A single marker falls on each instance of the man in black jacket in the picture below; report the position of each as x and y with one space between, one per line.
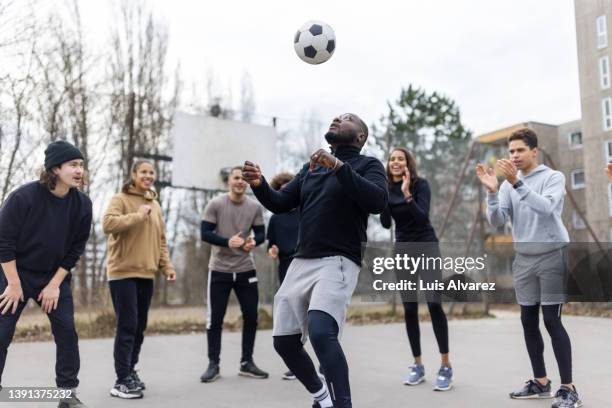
44 226
335 193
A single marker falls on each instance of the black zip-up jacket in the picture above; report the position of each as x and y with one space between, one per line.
334 205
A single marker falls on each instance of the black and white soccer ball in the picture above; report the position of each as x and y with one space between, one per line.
315 42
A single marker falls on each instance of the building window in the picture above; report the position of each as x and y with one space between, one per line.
577 179
608 149
577 221
602 32
610 199
604 72
575 139
606 110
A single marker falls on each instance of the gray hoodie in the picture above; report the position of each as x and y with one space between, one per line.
534 208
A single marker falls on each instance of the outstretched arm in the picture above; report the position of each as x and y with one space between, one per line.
286 199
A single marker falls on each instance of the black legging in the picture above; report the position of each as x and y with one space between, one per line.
131 300
323 333
530 317
245 287
438 319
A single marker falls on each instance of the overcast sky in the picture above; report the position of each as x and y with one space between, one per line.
503 62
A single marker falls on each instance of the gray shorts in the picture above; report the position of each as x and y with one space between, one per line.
324 284
540 278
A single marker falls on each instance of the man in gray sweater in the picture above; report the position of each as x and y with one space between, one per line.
531 197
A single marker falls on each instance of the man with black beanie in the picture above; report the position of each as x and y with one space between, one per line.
44 226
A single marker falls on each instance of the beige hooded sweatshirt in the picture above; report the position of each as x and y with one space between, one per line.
136 246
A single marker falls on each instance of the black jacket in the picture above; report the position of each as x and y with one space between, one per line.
334 206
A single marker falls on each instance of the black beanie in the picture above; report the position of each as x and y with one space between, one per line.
60 152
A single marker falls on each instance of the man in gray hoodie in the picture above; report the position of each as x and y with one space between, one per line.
531 197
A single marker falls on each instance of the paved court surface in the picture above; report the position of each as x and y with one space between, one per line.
488 356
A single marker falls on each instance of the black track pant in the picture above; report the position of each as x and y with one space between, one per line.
131 301
67 362
323 333
530 317
438 320
220 285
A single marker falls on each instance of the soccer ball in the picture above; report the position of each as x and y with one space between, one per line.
315 42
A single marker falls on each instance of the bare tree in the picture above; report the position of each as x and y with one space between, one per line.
247 98
67 112
19 91
17 25
141 115
140 110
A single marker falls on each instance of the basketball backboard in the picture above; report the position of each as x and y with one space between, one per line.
205 146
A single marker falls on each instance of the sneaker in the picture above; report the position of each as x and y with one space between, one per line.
126 389
72 402
249 369
289 376
444 382
211 374
316 405
567 398
139 384
416 376
533 389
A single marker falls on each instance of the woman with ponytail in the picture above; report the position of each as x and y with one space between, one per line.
409 198
137 249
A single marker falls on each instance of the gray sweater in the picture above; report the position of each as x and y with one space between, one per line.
534 209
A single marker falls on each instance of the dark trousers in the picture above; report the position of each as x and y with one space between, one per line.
283 265
562 347
67 361
131 301
220 285
323 332
410 298
438 320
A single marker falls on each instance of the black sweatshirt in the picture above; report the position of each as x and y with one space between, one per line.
334 206
43 232
411 218
283 232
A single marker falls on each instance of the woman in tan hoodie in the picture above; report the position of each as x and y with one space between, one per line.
136 249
